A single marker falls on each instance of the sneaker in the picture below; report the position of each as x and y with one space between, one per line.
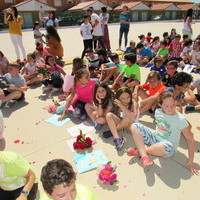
133 152
119 142
147 162
77 113
190 108
10 103
45 89
107 134
98 126
55 90
119 49
83 117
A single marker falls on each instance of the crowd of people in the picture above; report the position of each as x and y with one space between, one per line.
106 88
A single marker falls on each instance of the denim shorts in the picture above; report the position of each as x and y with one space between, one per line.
150 137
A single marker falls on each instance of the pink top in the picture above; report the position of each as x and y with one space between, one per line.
55 71
84 93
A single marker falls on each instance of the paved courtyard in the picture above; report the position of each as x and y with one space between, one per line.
168 179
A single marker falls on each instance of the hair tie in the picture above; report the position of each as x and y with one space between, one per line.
122 88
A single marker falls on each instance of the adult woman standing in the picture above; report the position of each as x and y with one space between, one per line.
187 28
104 16
51 20
125 19
14 22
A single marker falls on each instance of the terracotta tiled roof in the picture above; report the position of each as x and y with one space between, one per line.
161 6
172 1
129 4
23 2
82 5
186 6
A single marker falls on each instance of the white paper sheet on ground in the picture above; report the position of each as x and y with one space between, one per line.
188 68
72 140
85 127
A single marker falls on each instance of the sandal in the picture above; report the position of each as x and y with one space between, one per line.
133 152
147 162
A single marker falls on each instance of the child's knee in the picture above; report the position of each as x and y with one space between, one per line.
109 116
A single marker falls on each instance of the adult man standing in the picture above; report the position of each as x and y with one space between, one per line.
97 29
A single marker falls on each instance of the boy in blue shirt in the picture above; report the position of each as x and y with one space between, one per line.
158 66
144 54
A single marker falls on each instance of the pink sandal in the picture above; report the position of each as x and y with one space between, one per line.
133 152
147 162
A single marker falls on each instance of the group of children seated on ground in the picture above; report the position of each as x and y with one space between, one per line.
109 91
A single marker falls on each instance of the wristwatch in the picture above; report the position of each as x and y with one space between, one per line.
25 192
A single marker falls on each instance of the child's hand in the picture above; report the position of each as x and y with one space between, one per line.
118 103
190 165
98 99
62 117
12 87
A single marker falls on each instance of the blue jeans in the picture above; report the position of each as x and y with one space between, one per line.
124 31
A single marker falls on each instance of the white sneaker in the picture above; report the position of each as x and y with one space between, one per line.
55 90
46 89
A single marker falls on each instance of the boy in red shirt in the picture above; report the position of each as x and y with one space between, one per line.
175 48
155 87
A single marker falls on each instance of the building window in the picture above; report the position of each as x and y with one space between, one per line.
70 1
8 1
57 3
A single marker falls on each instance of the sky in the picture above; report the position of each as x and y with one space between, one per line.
196 1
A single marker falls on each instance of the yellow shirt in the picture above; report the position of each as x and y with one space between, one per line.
15 26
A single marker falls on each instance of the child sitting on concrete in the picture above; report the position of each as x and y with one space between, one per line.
154 88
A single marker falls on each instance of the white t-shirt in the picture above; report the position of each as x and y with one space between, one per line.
31 68
86 31
97 31
50 22
169 127
196 84
195 54
104 16
185 25
37 33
